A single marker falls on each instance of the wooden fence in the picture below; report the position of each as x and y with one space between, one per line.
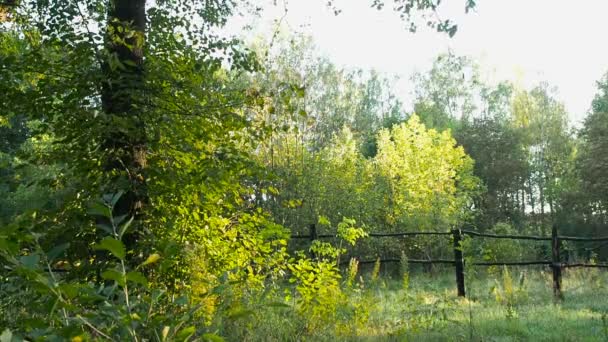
457 234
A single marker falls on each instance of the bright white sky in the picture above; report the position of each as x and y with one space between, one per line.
562 42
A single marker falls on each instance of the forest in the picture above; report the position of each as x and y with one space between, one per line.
164 180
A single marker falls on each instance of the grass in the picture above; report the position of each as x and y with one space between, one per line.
430 310
533 316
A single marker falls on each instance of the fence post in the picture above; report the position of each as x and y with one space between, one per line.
312 228
556 265
458 262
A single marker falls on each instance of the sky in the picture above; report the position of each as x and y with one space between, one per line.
562 42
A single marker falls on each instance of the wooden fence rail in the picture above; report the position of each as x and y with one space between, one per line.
457 234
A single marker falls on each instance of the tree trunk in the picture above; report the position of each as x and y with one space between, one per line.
124 140
541 192
531 194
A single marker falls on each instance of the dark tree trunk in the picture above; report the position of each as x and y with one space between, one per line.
124 139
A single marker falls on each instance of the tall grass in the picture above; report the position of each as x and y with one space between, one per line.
513 306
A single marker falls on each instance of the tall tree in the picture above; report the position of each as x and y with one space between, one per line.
122 102
447 92
593 157
544 123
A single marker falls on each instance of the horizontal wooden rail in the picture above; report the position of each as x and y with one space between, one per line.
583 239
407 234
300 237
512 263
586 265
513 237
468 232
411 261
308 237
496 263
375 235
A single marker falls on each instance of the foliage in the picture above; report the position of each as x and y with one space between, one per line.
152 170
431 184
317 279
591 160
447 91
122 305
504 249
509 294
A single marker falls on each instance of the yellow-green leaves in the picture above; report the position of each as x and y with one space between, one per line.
423 169
348 232
151 259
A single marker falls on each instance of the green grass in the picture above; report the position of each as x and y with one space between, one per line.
535 315
430 311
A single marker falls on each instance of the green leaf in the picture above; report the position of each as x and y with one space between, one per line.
185 333
137 277
7 246
301 92
114 275
323 220
212 337
240 313
105 228
100 209
112 199
57 251
30 261
70 290
119 219
125 226
113 246
129 63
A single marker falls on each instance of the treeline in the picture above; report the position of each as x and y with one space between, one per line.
349 148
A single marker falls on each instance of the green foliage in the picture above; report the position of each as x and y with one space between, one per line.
430 179
446 93
504 249
348 232
318 294
121 305
405 271
509 294
207 151
591 158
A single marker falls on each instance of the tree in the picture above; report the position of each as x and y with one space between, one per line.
447 92
122 90
430 178
591 159
501 163
544 123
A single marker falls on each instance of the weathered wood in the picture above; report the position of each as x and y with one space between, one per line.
583 239
459 262
312 228
513 237
376 235
313 232
410 261
471 233
556 264
585 265
407 234
513 263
